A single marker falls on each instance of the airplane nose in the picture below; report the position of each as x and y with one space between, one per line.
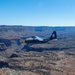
23 41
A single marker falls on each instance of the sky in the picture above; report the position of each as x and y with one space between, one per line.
37 12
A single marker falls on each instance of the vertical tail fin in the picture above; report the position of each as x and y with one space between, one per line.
53 36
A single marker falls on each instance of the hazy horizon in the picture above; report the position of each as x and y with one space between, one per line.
39 25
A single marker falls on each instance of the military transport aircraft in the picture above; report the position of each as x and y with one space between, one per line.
36 39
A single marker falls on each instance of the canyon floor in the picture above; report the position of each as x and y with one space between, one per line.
44 63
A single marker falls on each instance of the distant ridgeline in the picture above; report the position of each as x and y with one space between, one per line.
25 31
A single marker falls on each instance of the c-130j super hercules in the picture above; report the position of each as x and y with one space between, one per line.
36 39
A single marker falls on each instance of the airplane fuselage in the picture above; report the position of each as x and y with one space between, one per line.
36 39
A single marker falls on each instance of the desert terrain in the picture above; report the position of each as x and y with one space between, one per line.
56 57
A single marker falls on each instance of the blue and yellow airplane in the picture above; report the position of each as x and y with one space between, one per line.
36 39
